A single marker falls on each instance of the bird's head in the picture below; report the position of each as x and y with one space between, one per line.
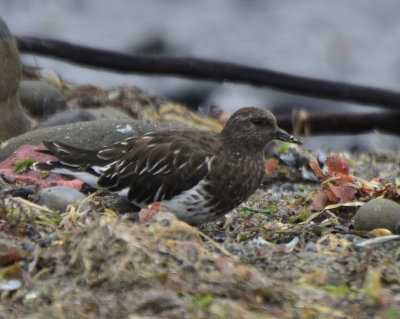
252 128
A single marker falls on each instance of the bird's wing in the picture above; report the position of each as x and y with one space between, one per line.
155 167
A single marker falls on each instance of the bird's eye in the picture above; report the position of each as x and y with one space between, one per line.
257 120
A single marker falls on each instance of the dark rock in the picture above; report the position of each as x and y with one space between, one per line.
59 197
122 205
156 302
378 213
41 99
23 192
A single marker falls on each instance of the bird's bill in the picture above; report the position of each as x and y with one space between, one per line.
281 135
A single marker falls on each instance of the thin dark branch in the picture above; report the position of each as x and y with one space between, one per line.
201 69
347 123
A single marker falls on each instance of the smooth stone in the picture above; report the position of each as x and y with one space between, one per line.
13 120
59 197
109 112
10 64
378 213
90 135
67 117
41 99
73 116
10 284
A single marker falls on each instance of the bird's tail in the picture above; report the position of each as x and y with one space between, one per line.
80 163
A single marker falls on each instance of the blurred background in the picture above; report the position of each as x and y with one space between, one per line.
356 42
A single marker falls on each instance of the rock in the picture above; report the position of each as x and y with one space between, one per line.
157 301
10 64
23 191
378 213
236 249
59 197
13 120
67 117
10 284
73 116
41 99
119 204
91 135
109 112
9 252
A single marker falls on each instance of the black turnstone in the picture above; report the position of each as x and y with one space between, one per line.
197 175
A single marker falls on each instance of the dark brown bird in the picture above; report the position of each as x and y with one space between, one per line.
197 175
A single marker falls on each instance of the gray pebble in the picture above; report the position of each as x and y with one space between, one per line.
59 197
310 246
41 99
10 284
287 187
236 249
378 213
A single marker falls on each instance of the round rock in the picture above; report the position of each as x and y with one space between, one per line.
67 117
109 112
89 135
378 213
13 120
74 116
41 99
59 197
10 64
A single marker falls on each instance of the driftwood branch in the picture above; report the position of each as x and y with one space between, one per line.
345 123
201 69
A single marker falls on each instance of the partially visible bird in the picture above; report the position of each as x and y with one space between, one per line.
197 175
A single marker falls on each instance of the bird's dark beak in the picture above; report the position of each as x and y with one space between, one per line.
281 135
